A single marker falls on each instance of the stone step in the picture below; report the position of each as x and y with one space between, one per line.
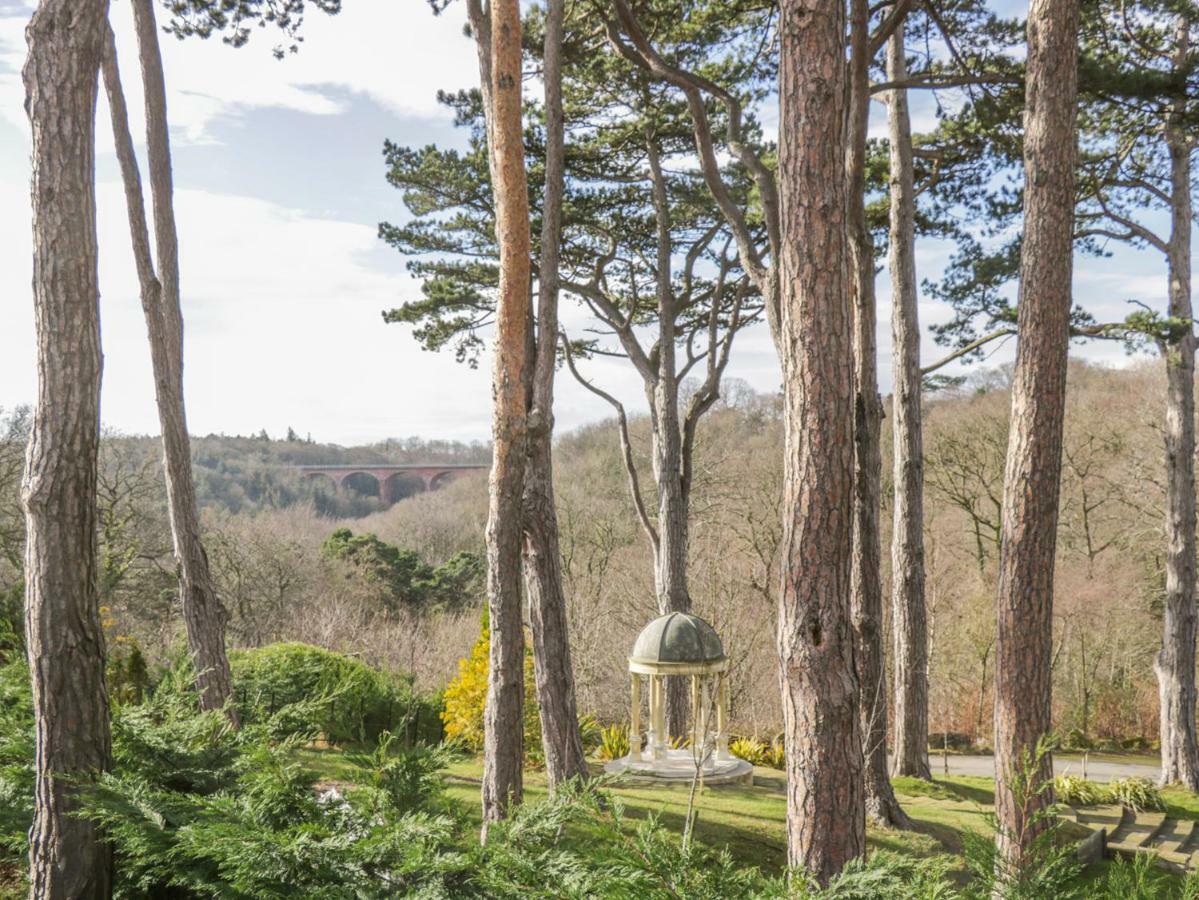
1175 837
1177 862
1109 817
1136 831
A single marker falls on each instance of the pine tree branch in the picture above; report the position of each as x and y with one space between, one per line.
643 54
968 349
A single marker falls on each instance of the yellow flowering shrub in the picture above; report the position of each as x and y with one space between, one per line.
466 696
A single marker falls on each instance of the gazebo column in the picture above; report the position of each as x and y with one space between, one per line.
697 734
663 728
635 722
657 718
722 717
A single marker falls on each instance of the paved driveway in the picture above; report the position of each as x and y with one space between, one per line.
1097 769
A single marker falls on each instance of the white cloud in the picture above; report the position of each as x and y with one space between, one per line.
283 304
398 53
283 328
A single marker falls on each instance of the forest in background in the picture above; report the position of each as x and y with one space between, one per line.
267 533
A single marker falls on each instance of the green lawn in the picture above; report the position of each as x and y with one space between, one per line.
749 821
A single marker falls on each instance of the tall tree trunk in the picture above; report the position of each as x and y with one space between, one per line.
670 563
908 617
1024 633
67 855
203 615
1175 664
826 815
560 738
866 574
503 750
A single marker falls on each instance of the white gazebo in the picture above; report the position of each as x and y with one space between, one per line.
681 645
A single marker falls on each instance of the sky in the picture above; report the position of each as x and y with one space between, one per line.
279 191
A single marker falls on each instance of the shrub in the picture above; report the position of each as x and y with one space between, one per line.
884 874
1048 866
777 756
351 701
407 579
614 742
750 749
16 763
1077 791
1074 739
1135 793
126 671
262 831
466 696
591 731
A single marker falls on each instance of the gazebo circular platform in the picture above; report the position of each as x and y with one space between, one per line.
681 645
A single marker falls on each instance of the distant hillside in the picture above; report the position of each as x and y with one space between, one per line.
248 474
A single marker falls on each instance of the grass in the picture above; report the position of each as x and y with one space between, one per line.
750 821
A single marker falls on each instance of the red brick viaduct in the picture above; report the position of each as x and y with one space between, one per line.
390 478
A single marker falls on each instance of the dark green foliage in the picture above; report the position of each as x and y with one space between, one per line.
306 691
1130 85
234 18
410 582
16 761
613 115
127 672
12 618
196 809
1049 867
259 828
888 875
1142 879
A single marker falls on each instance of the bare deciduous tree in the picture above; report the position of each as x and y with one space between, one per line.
203 615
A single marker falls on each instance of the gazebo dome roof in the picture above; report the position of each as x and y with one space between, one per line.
677 638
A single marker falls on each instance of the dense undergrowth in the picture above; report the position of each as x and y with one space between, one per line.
194 808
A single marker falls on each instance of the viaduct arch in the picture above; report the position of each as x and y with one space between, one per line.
389 477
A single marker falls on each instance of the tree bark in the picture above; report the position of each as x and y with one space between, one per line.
825 798
65 641
1175 663
670 564
503 750
1024 633
908 617
203 615
866 574
670 561
560 737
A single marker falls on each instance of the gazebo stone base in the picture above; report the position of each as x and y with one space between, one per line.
678 767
